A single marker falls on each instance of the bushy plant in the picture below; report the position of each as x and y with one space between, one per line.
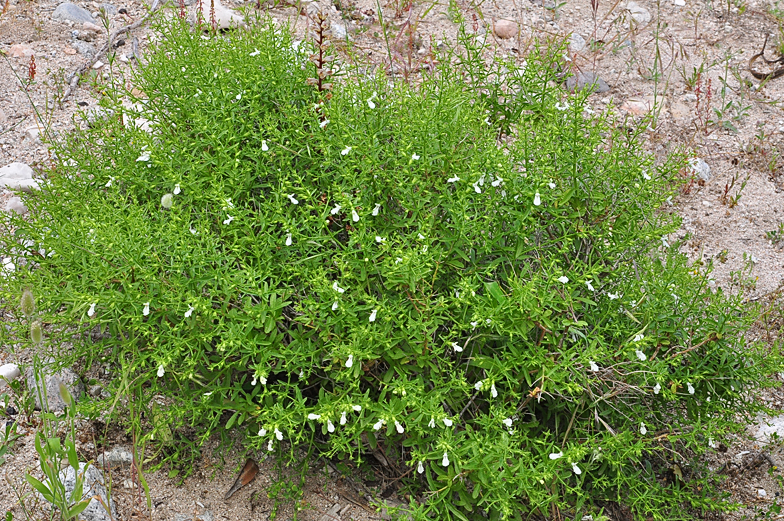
473 272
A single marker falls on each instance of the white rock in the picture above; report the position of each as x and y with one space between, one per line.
8 373
93 488
20 50
18 176
33 134
98 64
576 42
225 18
15 204
766 427
679 3
701 168
638 13
761 492
505 29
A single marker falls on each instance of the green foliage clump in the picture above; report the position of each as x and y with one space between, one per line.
475 276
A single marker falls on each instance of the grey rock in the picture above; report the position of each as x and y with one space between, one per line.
338 30
33 134
97 114
576 42
93 486
118 457
703 170
52 379
204 516
68 12
638 13
586 79
83 48
15 204
109 9
18 176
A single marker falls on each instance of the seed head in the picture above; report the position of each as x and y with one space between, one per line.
36 333
28 302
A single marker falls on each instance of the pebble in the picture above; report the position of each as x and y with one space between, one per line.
83 48
638 106
576 42
8 373
118 457
701 168
505 29
225 18
760 492
109 9
679 3
98 64
93 486
639 14
20 50
338 30
18 176
583 79
68 12
15 204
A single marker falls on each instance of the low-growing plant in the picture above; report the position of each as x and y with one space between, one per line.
485 290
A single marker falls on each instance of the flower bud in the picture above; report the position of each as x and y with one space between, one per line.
65 394
28 302
36 333
167 201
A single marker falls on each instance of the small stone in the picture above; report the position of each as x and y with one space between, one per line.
505 29
98 64
89 26
761 492
576 42
18 176
584 79
123 58
20 50
97 114
52 380
3 117
70 51
639 106
690 97
109 9
93 486
338 30
118 457
701 168
8 373
638 13
15 204
83 48
679 3
68 12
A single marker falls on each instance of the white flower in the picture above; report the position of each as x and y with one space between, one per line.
109 182
431 423
292 199
167 201
537 199
690 388
335 210
457 347
350 361
370 103
638 337
324 123
335 306
330 426
146 310
563 107
373 315
493 391
345 151
161 370
453 179
551 185
91 311
657 388
269 445
445 460
208 394
556 455
356 408
189 312
193 230
414 156
354 215
563 279
474 324
378 425
313 416
255 52
420 468
398 260
288 239
343 418
645 175
278 434
477 189
239 96
376 209
228 219
507 422
478 385
712 444
145 156
497 182
337 288
177 189
263 380
380 239
399 427
420 236
576 469
264 147
589 285
642 356
643 430
593 365
612 296
664 242
262 432
448 422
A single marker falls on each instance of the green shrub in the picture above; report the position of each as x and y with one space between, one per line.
474 275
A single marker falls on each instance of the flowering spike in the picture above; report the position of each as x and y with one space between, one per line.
27 303
36 334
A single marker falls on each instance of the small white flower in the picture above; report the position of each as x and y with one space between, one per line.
474 324
380 239
269 445
478 385
457 347
253 382
345 151
561 107
537 199
690 388
255 52
612 296
420 237
146 310
176 189
643 429
563 279
293 199
335 306
657 388
193 230
414 156
161 370
262 432
350 361
337 288
399 427
642 356
376 209
343 418
278 434
420 468
576 469
313 416
239 96
493 391
398 260
330 426
264 146
593 365
145 156
665 243
556 455
189 312
324 123
356 408
477 189
507 422
109 182
497 182
589 285
288 239
378 425
712 444
453 179
167 201
335 210
263 380
638 337
448 422
208 394
373 315
445 460
551 185
431 423
91 311
228 219
354 215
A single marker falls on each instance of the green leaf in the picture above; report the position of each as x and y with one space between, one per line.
41 488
